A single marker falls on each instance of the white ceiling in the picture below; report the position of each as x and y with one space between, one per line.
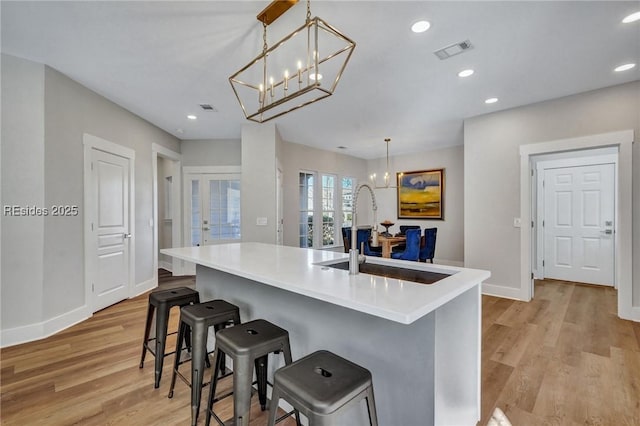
161 59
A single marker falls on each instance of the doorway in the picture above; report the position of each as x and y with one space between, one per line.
109 222
575 210
167 209
623 262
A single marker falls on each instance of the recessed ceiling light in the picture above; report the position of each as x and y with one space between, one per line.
624 67
491 101
342 147
465 73
191 117
179 131
312 76
631 18
420 26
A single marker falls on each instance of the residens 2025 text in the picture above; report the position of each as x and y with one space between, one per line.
55 210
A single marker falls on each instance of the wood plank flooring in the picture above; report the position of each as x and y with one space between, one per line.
562 359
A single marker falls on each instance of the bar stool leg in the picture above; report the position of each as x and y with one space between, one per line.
147 330
162 321
371 406
242 377
198 354
273 408
261 365
218 356
183 332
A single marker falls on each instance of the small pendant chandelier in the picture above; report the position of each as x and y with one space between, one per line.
387 176
302 68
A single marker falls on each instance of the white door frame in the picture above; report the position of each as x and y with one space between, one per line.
624 243
91 142
176 207
541 166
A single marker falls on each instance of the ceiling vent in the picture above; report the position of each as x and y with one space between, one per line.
454 49
208 107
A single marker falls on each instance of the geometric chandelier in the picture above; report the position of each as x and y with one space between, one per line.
302 68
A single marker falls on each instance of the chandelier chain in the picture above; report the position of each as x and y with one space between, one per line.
264 38
308 10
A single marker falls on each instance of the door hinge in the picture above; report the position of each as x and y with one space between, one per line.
543 263
531 172
92 165
93 287
92 226
543 223
532 275
532 224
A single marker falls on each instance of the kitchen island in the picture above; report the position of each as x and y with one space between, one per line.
421 342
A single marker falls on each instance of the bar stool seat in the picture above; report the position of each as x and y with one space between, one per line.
321 386
196 320
163 301
249 346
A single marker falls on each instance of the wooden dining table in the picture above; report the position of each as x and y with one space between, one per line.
388 242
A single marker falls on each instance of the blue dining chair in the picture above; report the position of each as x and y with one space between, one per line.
403 232
412 251
364 236
428 250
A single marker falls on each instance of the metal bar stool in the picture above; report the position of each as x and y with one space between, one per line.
249 346
163 301
196 320
321 386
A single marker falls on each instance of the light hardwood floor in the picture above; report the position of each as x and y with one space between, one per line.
565 358
562 359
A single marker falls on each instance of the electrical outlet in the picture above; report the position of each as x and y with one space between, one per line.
517 222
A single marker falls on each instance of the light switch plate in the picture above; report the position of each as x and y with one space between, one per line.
517 222
261 221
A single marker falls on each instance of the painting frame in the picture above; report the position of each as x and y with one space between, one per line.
420 194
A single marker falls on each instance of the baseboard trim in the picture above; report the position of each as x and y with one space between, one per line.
166 265
634 314
144 286
449 262
503 291
29 333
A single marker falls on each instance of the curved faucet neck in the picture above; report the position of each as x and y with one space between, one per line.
354 228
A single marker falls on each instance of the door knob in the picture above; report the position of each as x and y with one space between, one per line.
127 235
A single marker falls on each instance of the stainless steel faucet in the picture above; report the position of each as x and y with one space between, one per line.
354 258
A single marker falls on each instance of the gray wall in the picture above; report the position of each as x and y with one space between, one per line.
22 185
492 170
211 152
258 182
70 110
450 240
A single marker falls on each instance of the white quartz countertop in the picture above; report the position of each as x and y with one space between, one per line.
301 271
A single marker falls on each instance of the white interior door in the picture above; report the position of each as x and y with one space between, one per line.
579 211
111 231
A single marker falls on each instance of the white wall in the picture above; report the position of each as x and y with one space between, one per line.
492 171
68 111
294 158
22 185
450 239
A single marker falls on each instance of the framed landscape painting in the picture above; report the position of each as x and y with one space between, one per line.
421 194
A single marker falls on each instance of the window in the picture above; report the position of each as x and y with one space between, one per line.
306 209
347 200
328 210
332 213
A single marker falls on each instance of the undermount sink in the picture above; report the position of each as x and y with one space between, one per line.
391 271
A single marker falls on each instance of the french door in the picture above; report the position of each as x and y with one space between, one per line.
213 209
